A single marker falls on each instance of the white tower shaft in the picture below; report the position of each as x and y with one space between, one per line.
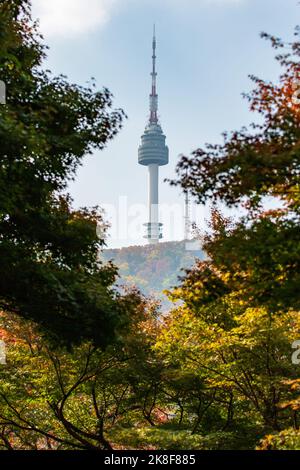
153 203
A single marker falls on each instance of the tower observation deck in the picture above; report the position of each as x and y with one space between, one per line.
153 153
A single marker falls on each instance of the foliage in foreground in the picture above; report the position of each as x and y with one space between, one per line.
72 400
242 304
216 373
125 397
49 269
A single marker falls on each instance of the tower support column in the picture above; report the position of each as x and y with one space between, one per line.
153 192
154 226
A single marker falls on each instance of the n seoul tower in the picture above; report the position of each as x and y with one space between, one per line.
153 153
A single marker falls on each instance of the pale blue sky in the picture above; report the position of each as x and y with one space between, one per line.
206 49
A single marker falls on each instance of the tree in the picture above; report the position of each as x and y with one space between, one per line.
240 307
50 271
242 366
76 399
289 439
261 253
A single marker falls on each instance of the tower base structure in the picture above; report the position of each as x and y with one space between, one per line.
154 232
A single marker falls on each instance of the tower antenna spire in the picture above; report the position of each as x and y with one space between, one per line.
154 96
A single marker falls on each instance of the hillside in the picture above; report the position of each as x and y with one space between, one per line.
152 268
